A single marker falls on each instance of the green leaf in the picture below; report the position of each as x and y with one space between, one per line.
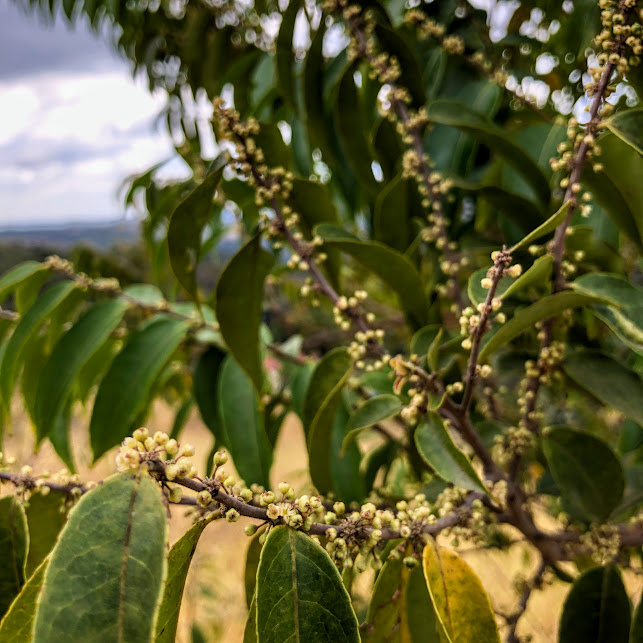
253 554
285 54
597 609
205 383
477 294
424 338
300 595
608 380
250 631
186 228
374 410
32 321
394 268
538 273
14 545
544 228
625 315
588 474
314 203
114 547
124 391
525 319
17 624
401 605
178 565
45 520
460 602
391 224
320 406
350 129
71 353
239 300
617 188
437 448
245 434
299 388
17 275
459 115
628 126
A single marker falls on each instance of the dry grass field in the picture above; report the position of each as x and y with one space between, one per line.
214 598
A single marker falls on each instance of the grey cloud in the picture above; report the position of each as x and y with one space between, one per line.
28 46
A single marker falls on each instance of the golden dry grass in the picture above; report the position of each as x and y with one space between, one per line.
214 598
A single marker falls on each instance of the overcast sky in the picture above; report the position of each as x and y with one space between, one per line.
73 123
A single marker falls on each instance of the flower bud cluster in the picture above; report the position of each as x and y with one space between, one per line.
514 442
603 543
141 448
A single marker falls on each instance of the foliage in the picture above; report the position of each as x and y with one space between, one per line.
464 239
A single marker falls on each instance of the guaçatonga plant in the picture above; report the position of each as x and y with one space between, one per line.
474 371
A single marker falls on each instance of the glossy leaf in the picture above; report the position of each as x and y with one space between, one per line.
525 319
374 410
32 321
239 300
394 268
285 54
321 404
628 126
459 115
17 624
206 389
460 602
14 545
70 354
588 474
17 275
477 294
437 448
597 609
186 228
610 381
391 224
44 520
178 565
537 274
617 187
114 547
544 228
243 425
253 555
125 389
300 594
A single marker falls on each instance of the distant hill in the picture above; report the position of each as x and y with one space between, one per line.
102 235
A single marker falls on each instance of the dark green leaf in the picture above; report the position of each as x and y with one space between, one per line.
206 389
300 595
459 115
17 275
525 319
45 520
636 634
348 481
186 228
331 375
250 631
394 268
14 545
17 624
439 451
349 121
125 389
178 565
391 221
285 54
544 228
612 383
239 305
252 564
587 472
628 126
597 609
374 410
70 354
114 547
32 321
299 388
243 425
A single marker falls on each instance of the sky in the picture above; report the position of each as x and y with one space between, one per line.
73 123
